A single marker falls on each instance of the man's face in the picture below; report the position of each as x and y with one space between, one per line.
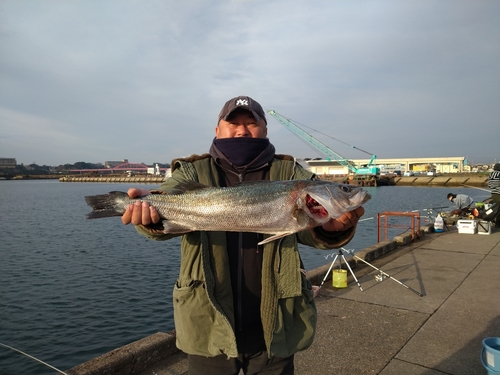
241 123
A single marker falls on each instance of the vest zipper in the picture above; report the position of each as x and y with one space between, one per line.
240 282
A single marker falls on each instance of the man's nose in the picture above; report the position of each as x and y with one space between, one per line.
242 130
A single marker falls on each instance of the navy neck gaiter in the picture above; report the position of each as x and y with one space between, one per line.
241 151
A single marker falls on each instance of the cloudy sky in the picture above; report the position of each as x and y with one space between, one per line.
97 80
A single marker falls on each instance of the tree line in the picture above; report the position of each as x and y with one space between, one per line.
63 168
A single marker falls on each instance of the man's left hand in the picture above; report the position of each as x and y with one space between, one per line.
346 221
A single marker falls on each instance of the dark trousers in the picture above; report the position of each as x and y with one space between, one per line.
250 364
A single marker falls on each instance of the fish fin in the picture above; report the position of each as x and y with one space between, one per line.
105 205
302 217
173 228
274 238
257 182
188 186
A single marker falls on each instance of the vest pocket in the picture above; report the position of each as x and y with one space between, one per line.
197 323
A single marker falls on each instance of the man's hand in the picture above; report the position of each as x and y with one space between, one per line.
346 221
140 212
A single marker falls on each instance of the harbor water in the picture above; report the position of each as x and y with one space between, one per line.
72 289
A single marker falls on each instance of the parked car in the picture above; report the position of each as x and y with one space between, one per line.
432 173
408 174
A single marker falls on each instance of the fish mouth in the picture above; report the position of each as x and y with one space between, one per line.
329 207
315 208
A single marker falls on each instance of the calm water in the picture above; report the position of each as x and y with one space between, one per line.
72 289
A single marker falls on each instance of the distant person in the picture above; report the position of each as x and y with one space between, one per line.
462 203
494 183
492 214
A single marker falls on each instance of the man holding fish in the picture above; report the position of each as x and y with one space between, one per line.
242 301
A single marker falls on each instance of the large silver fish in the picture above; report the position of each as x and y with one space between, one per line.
278 208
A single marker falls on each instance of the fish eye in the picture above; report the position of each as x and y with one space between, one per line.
346 188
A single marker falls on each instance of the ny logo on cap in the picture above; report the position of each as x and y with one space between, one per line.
242 102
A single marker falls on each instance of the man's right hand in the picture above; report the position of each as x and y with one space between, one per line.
140 212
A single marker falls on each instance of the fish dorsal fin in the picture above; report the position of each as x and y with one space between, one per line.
258 182
188 187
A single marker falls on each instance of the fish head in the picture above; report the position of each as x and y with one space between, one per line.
330 200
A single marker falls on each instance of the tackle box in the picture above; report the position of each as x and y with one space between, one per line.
483 227
467 226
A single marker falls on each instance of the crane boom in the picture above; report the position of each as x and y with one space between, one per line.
324 149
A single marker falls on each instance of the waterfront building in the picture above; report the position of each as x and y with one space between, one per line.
8 163
456 164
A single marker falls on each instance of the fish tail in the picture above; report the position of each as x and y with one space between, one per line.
107 205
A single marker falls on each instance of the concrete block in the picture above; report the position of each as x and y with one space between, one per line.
406 181
130 359
422 180
456 181
377 250
477 180
403 239
440 180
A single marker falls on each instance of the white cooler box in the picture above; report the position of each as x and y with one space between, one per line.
483 227
467 226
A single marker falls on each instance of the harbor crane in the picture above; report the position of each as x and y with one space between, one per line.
370 170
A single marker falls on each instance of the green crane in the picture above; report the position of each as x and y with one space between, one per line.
370 169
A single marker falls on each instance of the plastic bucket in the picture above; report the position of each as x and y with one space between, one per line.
490 355
339 278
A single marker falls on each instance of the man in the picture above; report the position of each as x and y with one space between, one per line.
494 183
462 203
238 305
493 213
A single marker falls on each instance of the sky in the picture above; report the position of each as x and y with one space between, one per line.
145 80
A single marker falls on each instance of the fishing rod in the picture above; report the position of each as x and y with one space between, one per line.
389 276
432 208
473 187
35 359
368 218
424 209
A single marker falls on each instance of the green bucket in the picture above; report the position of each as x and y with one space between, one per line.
339 278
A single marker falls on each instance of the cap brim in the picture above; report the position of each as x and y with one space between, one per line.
255 115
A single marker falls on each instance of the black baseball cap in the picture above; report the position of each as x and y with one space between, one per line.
244 102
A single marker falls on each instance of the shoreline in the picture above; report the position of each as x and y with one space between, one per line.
451 179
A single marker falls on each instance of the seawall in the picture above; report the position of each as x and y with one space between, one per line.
145 179
444 180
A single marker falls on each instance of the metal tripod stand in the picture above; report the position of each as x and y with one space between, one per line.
379 277
341 254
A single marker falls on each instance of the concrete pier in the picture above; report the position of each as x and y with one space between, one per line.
444 180
385 329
